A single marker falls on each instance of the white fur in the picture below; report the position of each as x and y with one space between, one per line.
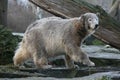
55 36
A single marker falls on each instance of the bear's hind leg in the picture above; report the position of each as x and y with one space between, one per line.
40 59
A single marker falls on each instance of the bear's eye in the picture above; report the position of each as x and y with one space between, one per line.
90 19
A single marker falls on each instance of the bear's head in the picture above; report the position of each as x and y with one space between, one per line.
90 22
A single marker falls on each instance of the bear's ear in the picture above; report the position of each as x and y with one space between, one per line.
82 18
98 14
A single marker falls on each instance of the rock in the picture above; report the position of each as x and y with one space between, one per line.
103 56
102 52
115 75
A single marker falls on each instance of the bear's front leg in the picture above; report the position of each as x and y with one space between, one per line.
77 55
85 59
69 62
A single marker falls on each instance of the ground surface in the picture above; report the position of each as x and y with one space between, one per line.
108 59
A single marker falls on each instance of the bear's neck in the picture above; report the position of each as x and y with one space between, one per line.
80 29
82 32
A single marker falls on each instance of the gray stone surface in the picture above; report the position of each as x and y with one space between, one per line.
95 76
102 52
96 52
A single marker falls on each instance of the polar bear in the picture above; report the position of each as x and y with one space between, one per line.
53 36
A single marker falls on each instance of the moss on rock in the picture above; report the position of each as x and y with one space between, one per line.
8 43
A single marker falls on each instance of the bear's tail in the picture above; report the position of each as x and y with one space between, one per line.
21 54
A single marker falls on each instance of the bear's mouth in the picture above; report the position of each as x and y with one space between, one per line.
88 27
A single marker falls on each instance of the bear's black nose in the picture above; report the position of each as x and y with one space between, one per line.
96 26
